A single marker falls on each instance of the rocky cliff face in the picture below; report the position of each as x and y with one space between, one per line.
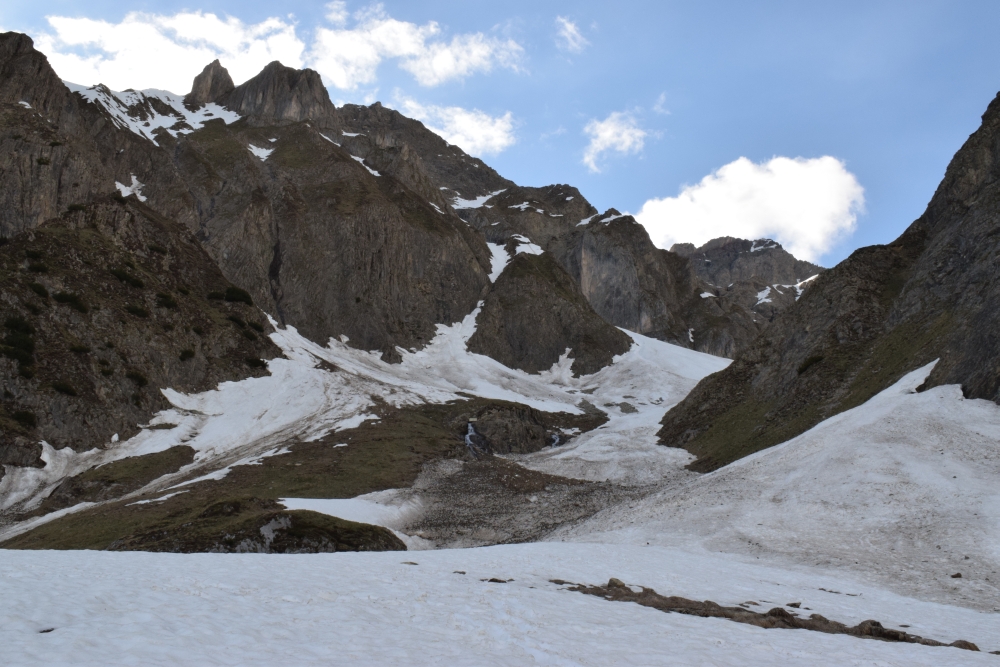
535 313
884 311
100 308
727 260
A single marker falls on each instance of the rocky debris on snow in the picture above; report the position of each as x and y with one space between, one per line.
494 501
617 591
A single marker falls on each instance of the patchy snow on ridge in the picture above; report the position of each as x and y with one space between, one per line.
142 112
458 203
371 171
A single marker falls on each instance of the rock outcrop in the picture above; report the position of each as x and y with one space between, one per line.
100 309
535 313
727 260
212 84
884 311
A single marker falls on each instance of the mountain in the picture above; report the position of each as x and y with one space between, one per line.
151 240
863 324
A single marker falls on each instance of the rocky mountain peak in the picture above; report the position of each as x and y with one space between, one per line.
27 76
213 83
281 93
726 260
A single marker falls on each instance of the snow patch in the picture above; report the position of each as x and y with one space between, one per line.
499 259
707 295
134 189
371 171
525 245
262 153
458 203
763 296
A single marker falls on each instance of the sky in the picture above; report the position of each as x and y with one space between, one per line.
826 126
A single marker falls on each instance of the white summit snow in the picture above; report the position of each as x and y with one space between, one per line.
147 119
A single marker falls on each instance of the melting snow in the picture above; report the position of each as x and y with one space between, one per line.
329 139
24 104
762 296
587 220
352 134
613 217
707 295
525 245
498 260
436 207
458 203
262 153
134 189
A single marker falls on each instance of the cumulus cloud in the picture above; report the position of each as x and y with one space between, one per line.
474 131
148 50
568 36
348 57
154 51
619 132
807 205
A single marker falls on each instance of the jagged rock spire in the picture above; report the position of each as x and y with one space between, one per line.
212 84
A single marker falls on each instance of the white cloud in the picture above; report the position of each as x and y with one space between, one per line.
350 57
807 205
474 131
336 12
156 51
568 36
619 132
660 106
148 50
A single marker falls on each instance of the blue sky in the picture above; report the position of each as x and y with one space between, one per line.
874 97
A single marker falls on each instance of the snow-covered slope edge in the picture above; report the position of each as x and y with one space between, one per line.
900 491
301 400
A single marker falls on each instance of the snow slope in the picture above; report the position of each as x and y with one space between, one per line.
378 609
240 421
901 492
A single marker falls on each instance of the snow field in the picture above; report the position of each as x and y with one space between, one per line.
900 492
376 609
